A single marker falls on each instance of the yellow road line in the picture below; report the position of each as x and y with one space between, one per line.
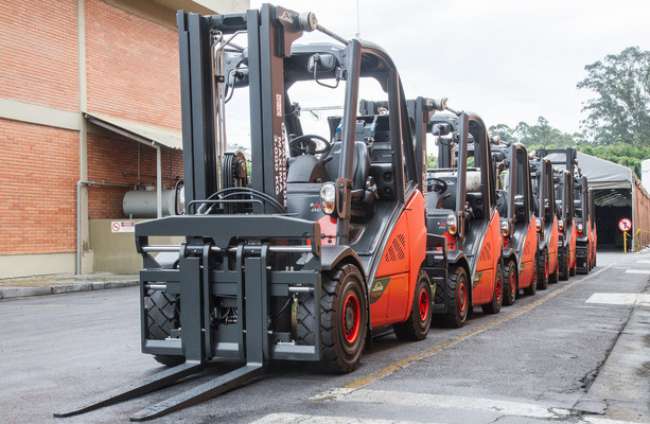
481 328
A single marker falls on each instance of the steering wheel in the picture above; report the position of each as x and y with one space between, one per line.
307 144
439 185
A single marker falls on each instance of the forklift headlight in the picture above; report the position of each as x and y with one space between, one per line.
560 225
452 224
505 228
328 198
538 224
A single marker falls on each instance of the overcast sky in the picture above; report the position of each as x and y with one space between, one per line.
508 60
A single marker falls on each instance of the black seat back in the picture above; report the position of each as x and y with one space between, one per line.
360 165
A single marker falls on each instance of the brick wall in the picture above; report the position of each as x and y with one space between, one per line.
132 72
38 52
115 159
132 66
39 171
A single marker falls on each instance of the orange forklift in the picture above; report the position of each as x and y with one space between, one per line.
548 227
564 162
585 226
515 203
461 210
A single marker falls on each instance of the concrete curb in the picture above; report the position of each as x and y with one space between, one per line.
15 292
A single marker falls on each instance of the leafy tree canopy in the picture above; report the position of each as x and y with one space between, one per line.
619 112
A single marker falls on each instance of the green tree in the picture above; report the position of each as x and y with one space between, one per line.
538 134
503 131
620 110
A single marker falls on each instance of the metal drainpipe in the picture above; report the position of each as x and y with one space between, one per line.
80 184
158 181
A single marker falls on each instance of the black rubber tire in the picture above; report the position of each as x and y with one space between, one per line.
446 294
337 355
163 317
169 360
494 307
416 328
542 278
554 276
563 263
511 285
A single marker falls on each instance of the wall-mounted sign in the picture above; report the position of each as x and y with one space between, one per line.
123 226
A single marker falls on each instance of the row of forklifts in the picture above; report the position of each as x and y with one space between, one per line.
320 243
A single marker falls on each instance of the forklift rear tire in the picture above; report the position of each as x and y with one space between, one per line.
419 322
494 307
511 288
563 263
343 319
542 274
456 298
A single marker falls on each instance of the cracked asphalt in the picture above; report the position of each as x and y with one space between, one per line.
559 356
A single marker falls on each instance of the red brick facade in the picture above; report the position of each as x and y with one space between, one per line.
131 72
37 194
38 53
132 66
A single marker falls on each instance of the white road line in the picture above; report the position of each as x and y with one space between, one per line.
620 298
637 271
600 420
502 407
287 418
643 261
430 402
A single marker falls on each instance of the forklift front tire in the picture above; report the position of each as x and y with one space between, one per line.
419 322
455 296
553 277
511 288
169 360
542 274
563 260
162 319
343 320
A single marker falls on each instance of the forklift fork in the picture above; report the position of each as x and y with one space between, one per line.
256 350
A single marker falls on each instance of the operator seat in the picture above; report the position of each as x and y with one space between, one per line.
363 199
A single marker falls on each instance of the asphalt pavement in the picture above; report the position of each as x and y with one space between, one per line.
577 352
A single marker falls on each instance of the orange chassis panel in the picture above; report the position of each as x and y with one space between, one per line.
489 255
393 288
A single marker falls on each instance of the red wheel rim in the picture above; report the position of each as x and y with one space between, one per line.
423 303
351 317
461 298
513 283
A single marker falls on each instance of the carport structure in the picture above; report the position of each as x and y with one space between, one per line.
616 193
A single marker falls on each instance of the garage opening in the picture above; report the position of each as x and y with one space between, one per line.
610 206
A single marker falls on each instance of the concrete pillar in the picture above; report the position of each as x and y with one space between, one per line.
85 264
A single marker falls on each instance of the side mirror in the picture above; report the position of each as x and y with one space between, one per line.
323 62
441 129
327 63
